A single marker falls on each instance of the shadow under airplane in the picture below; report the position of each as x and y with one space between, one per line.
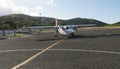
96 36
81 36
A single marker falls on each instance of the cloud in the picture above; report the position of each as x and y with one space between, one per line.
16 7
8 7
5 6
50 1
37 11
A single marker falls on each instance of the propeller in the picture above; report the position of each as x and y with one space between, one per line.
56 31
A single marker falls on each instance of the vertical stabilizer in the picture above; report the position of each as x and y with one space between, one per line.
56 22
56 27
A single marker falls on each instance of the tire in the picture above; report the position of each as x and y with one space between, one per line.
72 35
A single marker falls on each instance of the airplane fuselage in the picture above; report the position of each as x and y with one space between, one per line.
66 30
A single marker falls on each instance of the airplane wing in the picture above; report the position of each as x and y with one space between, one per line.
52 27
57 27
40 27
83 25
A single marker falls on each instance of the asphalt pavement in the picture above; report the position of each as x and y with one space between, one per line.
96 48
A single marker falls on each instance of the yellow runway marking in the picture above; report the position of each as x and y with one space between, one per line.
34 56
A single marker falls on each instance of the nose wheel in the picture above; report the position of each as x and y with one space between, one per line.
55 35
73 35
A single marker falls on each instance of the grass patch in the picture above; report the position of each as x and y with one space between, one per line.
47 31
0 36
20 34
112 26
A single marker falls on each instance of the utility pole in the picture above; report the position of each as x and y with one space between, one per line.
40 19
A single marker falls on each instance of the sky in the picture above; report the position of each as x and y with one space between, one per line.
104 10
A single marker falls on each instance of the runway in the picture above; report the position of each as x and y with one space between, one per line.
96 48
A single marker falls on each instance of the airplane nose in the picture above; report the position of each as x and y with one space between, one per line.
71 31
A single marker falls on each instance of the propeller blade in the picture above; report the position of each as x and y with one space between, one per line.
56 32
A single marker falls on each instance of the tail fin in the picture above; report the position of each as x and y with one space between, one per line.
56 28
56 22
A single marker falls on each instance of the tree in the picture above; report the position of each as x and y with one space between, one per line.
5 27
11 24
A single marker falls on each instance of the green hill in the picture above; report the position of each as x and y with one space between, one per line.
117 24
19 20
77 21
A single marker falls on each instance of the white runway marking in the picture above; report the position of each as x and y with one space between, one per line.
36 55
19 50
82 50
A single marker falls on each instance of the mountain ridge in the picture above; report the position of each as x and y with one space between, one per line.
25 20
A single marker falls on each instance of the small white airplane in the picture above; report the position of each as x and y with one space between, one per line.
68 30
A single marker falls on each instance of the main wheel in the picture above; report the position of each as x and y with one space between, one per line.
55 35
72 35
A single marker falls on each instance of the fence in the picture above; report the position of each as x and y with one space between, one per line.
7 33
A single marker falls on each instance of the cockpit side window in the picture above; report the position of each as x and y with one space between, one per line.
63 28
67 27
